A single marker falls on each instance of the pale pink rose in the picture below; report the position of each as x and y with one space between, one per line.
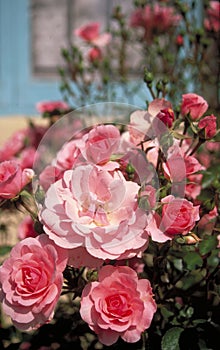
26 228
51 106
155 230
118 305
69 155
48 176
148 197
91 33
31 281
97 209
13 145
208 125
212 20
194 105
13 179
179 216
177 168
140 126
100 143
95 54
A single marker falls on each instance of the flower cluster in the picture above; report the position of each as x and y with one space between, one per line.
119 213
159 37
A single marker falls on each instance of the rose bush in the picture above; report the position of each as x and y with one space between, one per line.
122 222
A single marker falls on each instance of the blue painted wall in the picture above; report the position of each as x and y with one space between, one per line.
19 91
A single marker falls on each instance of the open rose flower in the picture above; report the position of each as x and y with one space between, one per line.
97 209
13 179
100 143
31 280
118 305
194 105
50 106
91 34
179 215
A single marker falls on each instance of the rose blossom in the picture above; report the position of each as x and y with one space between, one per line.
13 178
194 105
154 19
31 280
118 305
26 228
50 106
100 143
91 33
208 125
166 115
212 22
178 215
95 54
97 209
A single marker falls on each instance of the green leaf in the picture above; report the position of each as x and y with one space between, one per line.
207 245
170 340
5 249
192 278
193 260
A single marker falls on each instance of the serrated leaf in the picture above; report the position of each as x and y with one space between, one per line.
170 340
193 260
207 245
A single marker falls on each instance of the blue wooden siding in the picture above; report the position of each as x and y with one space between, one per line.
19 90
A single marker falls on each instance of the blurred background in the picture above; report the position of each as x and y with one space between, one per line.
32 33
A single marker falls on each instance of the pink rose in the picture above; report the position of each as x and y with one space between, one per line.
13 179
90 33
27 157
154 19
48 176
208 126
207 222
193 186
50 106
100 143
95 54
194 105
212 20
26 228
178 215
118 305
166 115
97 209
31 280
13 145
